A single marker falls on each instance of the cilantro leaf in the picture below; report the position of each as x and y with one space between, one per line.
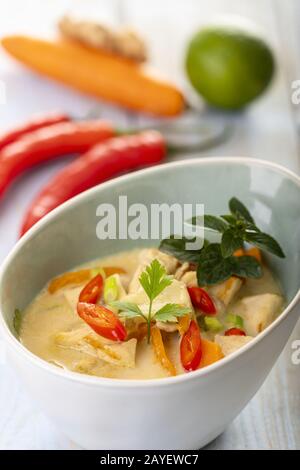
128 309
154 279
170 312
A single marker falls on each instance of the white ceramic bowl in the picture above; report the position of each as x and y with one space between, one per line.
183 412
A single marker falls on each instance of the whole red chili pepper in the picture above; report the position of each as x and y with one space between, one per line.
34 124
100 163
48 143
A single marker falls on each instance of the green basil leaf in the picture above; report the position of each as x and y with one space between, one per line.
215 223
213 268
230 219
265 242
238 209
246 266
176 247
251 227
231 241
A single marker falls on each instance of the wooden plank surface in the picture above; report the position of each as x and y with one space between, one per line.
266 130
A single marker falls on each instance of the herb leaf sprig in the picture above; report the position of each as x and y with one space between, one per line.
216 261
154 281
239 227
213 268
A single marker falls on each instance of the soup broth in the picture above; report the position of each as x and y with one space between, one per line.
52 329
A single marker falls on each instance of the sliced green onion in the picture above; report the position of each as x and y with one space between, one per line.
111 289
212 324
235 320
96 271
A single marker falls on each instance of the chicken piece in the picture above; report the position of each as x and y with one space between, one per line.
223 292
181 271
176 293
85 365
76 340
69 338
229 344
146 257
168 327
226 291
121 354
258 311
89 343
190 278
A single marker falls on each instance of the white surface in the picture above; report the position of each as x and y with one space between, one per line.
266 130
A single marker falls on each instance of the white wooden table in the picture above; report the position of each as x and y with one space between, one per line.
267 130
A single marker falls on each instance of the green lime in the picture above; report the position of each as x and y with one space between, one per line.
229 67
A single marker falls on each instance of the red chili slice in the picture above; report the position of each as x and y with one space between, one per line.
103 321
92 292
190 348
201 300
235 332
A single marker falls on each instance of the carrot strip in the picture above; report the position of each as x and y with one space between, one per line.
239 252
79 277
255 252
211 352
183 324
76 277
160 351
110 270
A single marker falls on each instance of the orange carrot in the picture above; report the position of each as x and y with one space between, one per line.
71 278
255 252
211 352
110 270
79 277
160 351
183 324
239 252
97 73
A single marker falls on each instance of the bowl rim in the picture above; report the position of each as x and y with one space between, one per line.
67 375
